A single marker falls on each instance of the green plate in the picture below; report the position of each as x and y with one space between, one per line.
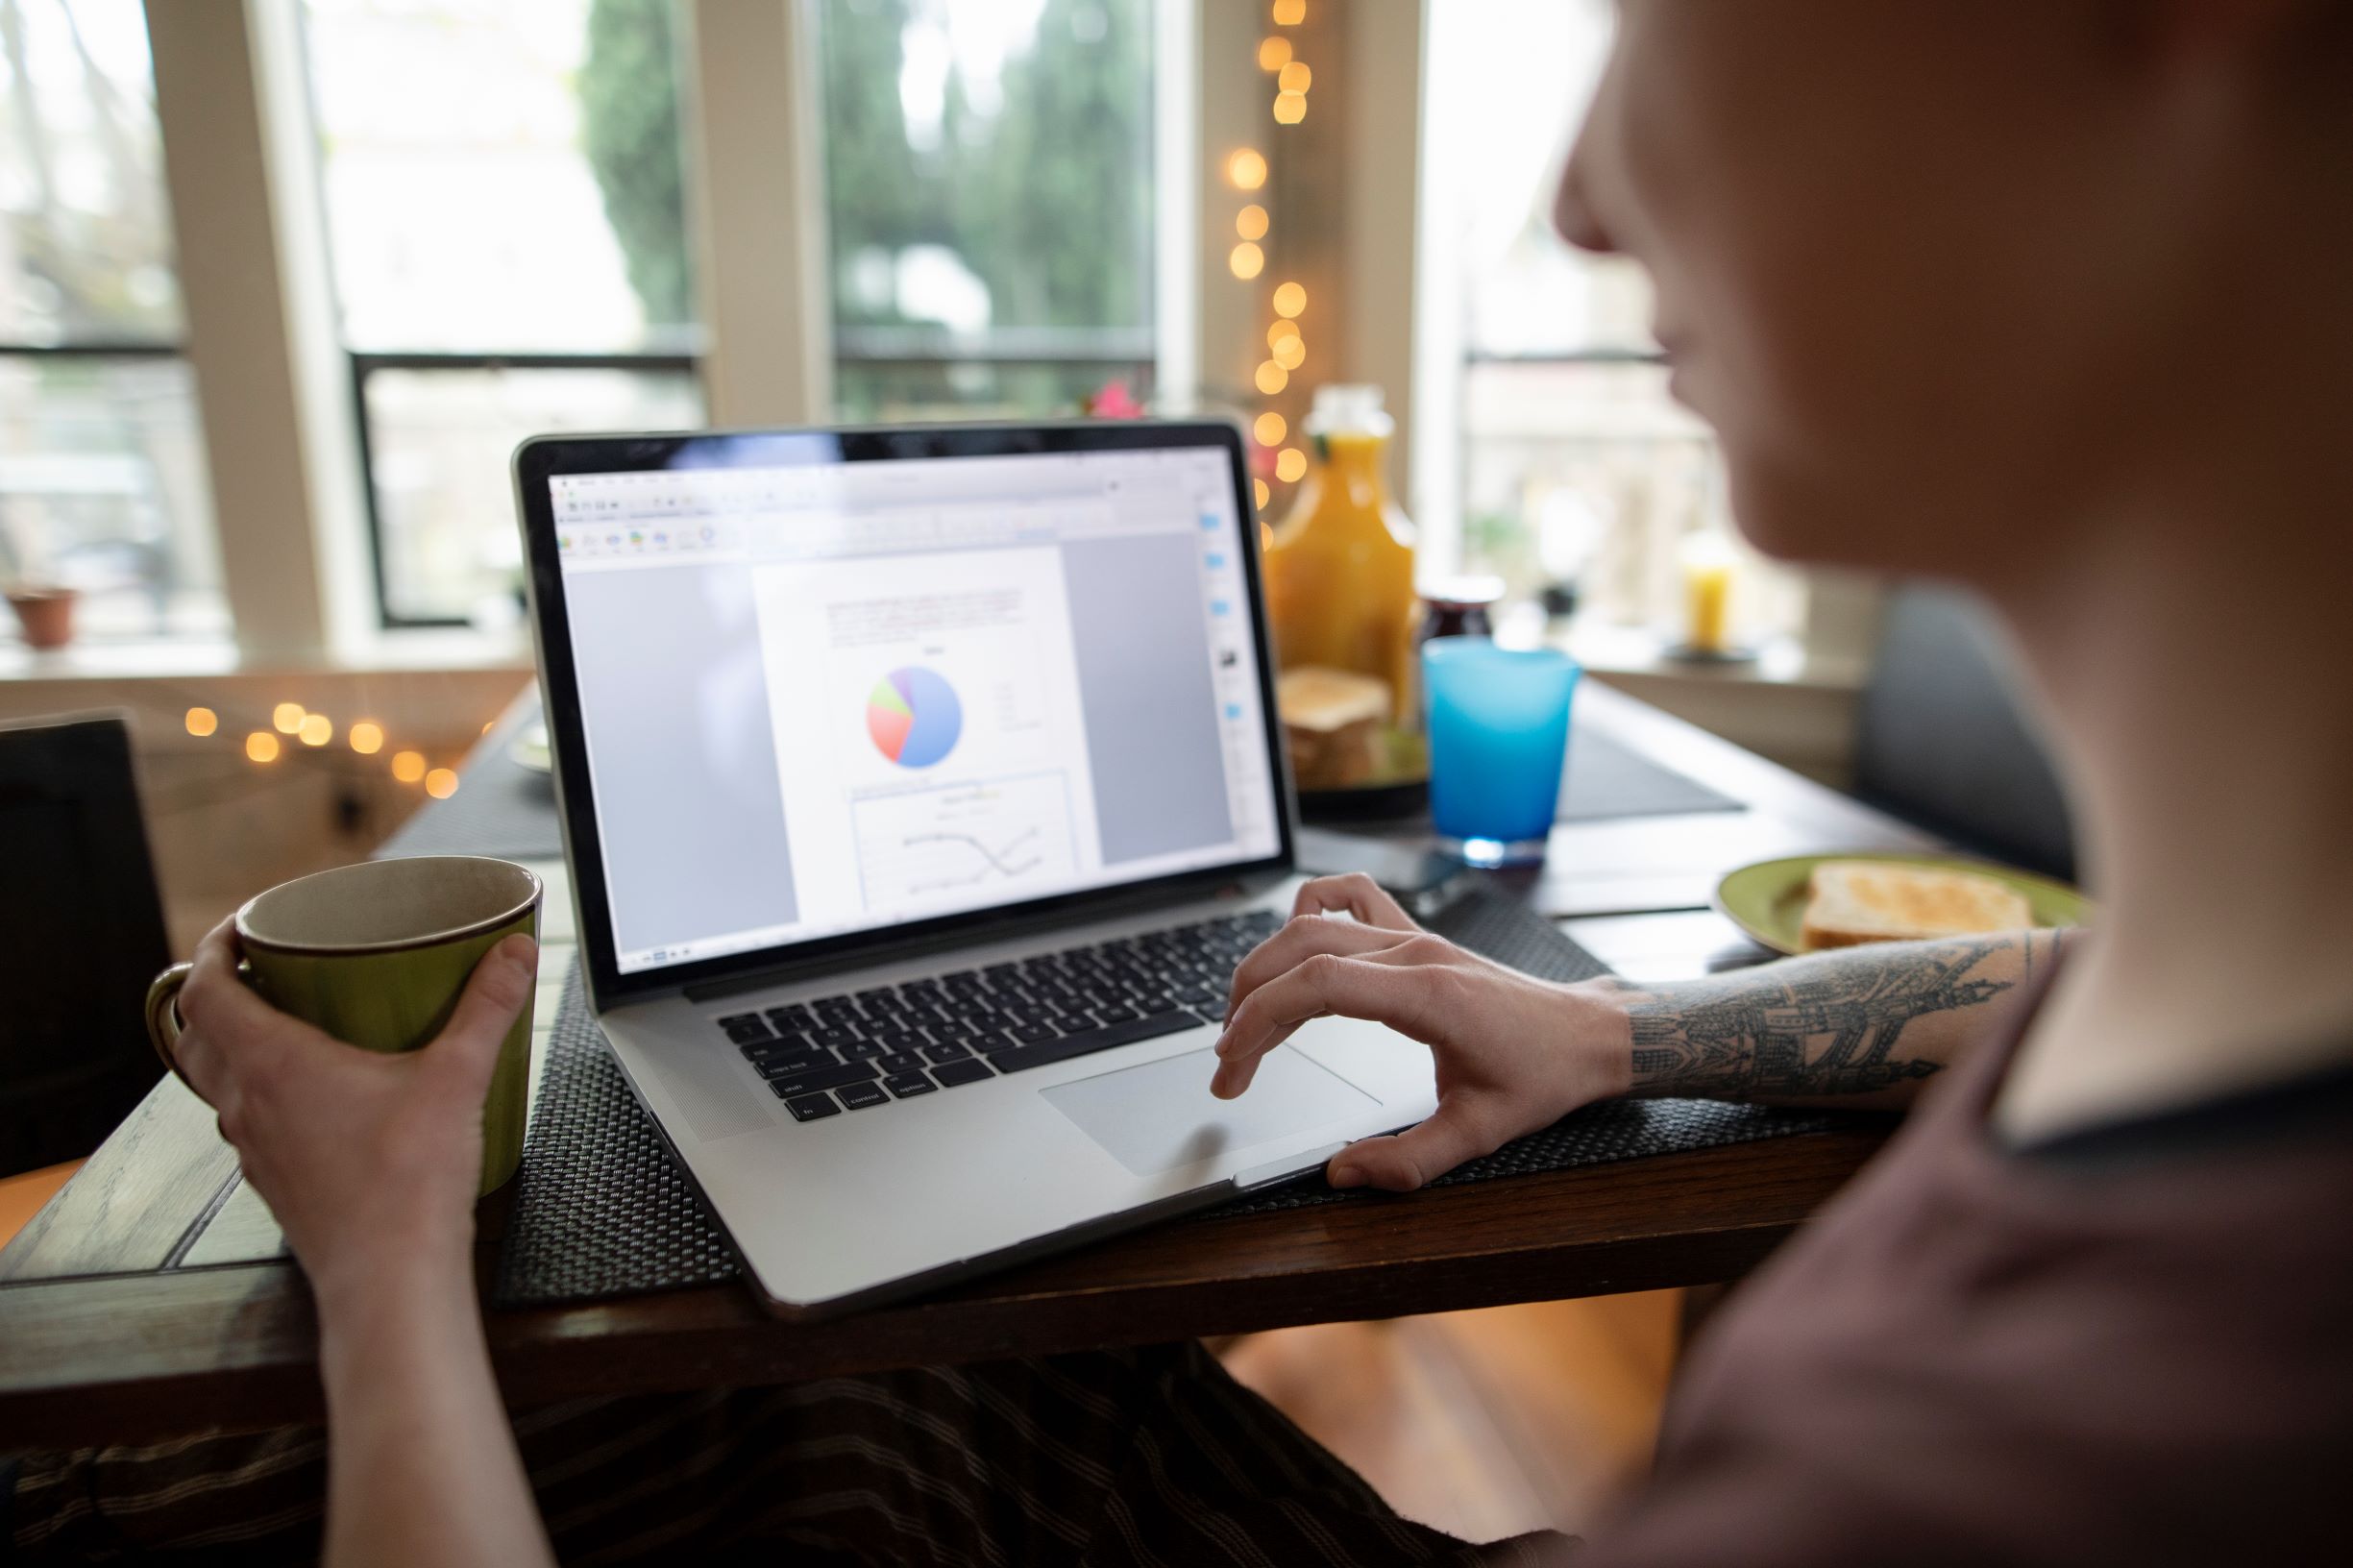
1768 899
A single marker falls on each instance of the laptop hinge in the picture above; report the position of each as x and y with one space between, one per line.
1234 888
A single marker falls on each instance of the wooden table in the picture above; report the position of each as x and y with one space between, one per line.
153 1295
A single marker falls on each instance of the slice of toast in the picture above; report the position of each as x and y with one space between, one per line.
1333 720
1322 700
1856 901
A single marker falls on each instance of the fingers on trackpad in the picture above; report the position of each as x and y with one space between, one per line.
1161 1115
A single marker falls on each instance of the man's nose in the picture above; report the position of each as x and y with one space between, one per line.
1573 212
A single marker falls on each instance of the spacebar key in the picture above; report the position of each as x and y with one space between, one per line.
1125 1033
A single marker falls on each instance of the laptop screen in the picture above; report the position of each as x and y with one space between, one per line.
819 701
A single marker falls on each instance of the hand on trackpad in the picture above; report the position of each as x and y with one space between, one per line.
1162 1115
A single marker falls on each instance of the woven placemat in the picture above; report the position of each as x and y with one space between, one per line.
1606 777
602 1209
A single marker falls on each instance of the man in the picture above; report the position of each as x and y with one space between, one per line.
2047 296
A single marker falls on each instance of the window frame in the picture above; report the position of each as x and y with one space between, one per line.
361 364
1129 352
1142 351
135 350
153 348
1136 353
366 362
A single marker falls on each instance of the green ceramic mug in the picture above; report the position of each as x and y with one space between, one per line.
377 954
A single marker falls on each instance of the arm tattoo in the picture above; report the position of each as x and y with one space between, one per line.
1823 1027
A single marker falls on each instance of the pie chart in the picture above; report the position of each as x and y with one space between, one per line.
914 717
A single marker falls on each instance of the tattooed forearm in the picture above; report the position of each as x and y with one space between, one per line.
1861 1021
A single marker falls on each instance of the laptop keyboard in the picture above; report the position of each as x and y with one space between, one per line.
872 1047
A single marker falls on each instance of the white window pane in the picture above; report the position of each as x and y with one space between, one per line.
440 442
989 169
85 249
1591 475
1575 467
501 176
1509 81
103 490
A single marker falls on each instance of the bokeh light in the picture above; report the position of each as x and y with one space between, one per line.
1291 300
408 765
441 783
203 721
1291 353
1290 107
1291 12
1246 260
1274 52
1260 489
367 739
1270 429
286 718
1273 378
261 746
1290 465
1251 222
1280 330
1295 76
317 729
1246 168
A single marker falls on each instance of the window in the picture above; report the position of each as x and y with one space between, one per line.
102 475
505 214
506 221
1574 465
989 200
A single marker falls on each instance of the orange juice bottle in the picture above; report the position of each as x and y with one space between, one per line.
1339 569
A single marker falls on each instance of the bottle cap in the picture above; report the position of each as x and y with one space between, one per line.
1462 592
1349 407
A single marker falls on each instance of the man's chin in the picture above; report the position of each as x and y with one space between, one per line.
1780 521
1801 525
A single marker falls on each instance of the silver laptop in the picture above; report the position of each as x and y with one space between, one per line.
921 788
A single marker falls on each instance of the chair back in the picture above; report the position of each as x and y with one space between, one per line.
1944 742
80 936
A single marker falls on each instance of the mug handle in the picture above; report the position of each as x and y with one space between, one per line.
163 1019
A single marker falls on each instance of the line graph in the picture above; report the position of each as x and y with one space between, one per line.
962 842
998 860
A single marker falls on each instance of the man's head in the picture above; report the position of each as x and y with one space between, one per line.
1956 279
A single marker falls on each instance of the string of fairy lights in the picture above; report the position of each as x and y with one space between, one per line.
293 726
1246 171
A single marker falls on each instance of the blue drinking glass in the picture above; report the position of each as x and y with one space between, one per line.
1498 734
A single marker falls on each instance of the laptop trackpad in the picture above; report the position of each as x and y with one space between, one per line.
1162 1115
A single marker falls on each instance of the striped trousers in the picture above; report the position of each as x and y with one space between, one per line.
1150 1457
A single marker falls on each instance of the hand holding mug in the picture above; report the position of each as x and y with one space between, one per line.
369 1160
365 1036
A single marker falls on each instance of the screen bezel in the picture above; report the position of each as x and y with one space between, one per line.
542 458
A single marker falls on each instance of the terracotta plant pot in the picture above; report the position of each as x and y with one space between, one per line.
46 614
